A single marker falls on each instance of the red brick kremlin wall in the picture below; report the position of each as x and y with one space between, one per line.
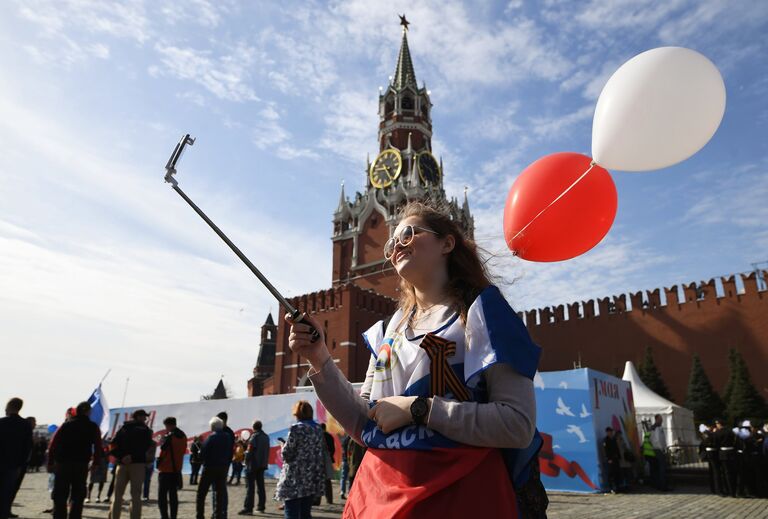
345 312
675 323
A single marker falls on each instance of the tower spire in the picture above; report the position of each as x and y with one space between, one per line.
404 73
342 199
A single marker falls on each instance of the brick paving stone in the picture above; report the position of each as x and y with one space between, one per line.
684 502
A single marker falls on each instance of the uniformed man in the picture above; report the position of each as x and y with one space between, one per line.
749 460
708 453
726 443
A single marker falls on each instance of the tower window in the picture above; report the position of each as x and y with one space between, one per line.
407 103
389 106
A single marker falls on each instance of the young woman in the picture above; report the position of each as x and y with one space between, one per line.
450 420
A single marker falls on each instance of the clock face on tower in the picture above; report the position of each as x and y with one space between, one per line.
429 170
386 168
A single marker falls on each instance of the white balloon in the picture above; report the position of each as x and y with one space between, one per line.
657 109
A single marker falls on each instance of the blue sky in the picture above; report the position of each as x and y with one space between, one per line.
103 266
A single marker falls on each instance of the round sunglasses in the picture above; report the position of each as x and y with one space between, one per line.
404 238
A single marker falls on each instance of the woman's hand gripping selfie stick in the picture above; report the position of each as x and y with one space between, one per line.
170 171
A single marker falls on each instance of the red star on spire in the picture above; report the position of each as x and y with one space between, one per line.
404 22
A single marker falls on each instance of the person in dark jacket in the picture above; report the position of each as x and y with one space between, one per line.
23 470
224 417
330 452
169 464
15 447
195 460
726 443
612 459
256 463
344 475
130 447
217 454
75 444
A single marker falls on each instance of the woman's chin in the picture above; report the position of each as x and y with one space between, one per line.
405 269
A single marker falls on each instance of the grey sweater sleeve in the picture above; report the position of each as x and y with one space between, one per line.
340 398
508 420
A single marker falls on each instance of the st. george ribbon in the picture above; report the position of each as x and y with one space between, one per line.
170 171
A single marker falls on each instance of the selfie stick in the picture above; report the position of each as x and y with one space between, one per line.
170 171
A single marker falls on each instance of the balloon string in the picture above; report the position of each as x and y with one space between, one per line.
561 195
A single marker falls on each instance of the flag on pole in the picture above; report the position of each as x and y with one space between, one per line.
99 410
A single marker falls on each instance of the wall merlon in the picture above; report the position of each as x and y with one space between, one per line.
559 313
620 303
603 305
654 299
729 286
671 295
637 300
589 308
751 285
690 291
709 290
530 318
574 311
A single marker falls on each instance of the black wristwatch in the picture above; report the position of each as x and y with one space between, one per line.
420 410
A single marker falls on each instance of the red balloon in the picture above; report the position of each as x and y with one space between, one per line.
551 215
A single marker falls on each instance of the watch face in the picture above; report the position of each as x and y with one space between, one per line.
419 407
429 170
386 168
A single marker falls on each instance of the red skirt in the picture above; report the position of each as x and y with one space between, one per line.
442 483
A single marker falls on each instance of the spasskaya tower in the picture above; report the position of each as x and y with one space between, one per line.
364 286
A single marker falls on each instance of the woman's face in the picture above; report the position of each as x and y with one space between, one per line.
418 261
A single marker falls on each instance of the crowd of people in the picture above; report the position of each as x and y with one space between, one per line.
80 462
737 458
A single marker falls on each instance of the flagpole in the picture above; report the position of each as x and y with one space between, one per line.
125 391
105 376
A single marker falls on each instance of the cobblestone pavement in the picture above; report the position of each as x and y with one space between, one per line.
33 498
684 502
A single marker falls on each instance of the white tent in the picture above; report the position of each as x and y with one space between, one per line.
678 421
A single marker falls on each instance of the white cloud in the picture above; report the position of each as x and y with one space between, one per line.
350 125
615 266
553 126
268 133
199 12
70 31
298 66
622 15
127 276
226 76
733 198
190 96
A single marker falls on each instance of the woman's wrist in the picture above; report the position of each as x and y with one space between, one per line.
317 361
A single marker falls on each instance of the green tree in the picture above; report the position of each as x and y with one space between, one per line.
744 400
733 361
701 398
650 375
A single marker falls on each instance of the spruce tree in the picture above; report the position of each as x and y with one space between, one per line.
744 399
733 360
651 377
701 398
